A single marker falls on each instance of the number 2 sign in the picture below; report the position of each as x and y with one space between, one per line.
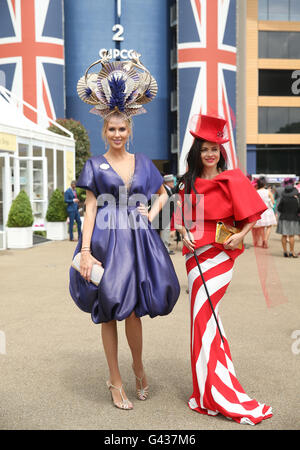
119 30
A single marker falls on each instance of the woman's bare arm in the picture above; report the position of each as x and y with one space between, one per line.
87 260
157 205
89 218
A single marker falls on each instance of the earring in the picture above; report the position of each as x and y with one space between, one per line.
127 145
106 144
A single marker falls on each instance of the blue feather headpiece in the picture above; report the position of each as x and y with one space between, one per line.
117 99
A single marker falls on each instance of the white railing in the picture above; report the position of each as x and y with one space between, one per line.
19 103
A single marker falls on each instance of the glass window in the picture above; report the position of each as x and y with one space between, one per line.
263 10
278 83
49 156
278 10
60 170
279 120
37 180
288 10
295 10
281 160
262 120
24 169
294 45
23 150
279 44
263 44
294 120
37 151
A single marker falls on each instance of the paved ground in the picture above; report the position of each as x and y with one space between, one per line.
53 368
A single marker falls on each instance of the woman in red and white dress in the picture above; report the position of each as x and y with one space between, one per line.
228 197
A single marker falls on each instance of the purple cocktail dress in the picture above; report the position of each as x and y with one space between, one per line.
138 272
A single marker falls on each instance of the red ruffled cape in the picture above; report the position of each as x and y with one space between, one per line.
228 197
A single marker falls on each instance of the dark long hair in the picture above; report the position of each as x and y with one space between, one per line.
195 165
261 182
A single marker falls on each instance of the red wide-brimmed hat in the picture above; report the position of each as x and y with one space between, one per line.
209 128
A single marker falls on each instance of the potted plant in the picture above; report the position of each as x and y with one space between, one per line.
19 223
56 217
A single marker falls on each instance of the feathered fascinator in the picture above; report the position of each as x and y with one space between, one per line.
122 86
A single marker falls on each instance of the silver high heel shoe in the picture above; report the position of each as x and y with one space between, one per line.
125 403
143 392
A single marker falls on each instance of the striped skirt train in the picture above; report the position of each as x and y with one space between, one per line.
215 386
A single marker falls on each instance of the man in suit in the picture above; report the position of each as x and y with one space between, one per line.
72 209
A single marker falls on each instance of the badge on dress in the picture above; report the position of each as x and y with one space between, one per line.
104 166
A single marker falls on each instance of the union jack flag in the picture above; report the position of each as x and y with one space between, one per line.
207 67
32 55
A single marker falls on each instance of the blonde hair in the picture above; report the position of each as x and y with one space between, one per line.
117 115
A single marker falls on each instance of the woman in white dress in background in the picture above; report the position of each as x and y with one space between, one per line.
262 228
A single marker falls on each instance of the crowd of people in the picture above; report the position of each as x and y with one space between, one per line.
283 210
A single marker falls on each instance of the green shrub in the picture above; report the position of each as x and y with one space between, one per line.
40 233
57 209
20 214
81 194
82 141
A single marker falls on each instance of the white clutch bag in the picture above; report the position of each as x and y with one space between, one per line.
97 271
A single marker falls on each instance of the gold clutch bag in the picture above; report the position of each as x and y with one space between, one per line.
223 232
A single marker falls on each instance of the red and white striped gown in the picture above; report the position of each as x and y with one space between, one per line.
215 386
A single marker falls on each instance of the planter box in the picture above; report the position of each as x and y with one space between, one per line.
57 231
19 237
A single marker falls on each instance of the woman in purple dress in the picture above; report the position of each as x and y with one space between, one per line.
139 278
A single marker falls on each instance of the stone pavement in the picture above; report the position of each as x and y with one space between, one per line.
53 368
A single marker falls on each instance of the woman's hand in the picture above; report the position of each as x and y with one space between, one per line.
189 241
143 210
86 264
233 241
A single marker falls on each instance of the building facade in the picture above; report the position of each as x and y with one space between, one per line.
32 95
121 26
207 63
195 67
273 86
32 56
238 59
188 45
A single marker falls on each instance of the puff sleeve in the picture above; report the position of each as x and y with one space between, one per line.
247 204
86 178
155 180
